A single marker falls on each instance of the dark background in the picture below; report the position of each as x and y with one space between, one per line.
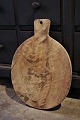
16 25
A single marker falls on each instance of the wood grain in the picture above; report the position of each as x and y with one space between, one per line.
41 69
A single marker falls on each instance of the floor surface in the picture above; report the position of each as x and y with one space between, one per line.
12 108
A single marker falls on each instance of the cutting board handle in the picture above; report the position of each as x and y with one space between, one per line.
41 27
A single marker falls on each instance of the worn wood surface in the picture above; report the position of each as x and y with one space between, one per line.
41 69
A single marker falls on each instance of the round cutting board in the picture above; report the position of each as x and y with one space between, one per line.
41 69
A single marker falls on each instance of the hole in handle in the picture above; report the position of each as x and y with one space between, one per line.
41 22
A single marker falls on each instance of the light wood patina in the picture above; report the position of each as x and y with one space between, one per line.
41 69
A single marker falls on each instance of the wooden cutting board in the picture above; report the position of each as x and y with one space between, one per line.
41 69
